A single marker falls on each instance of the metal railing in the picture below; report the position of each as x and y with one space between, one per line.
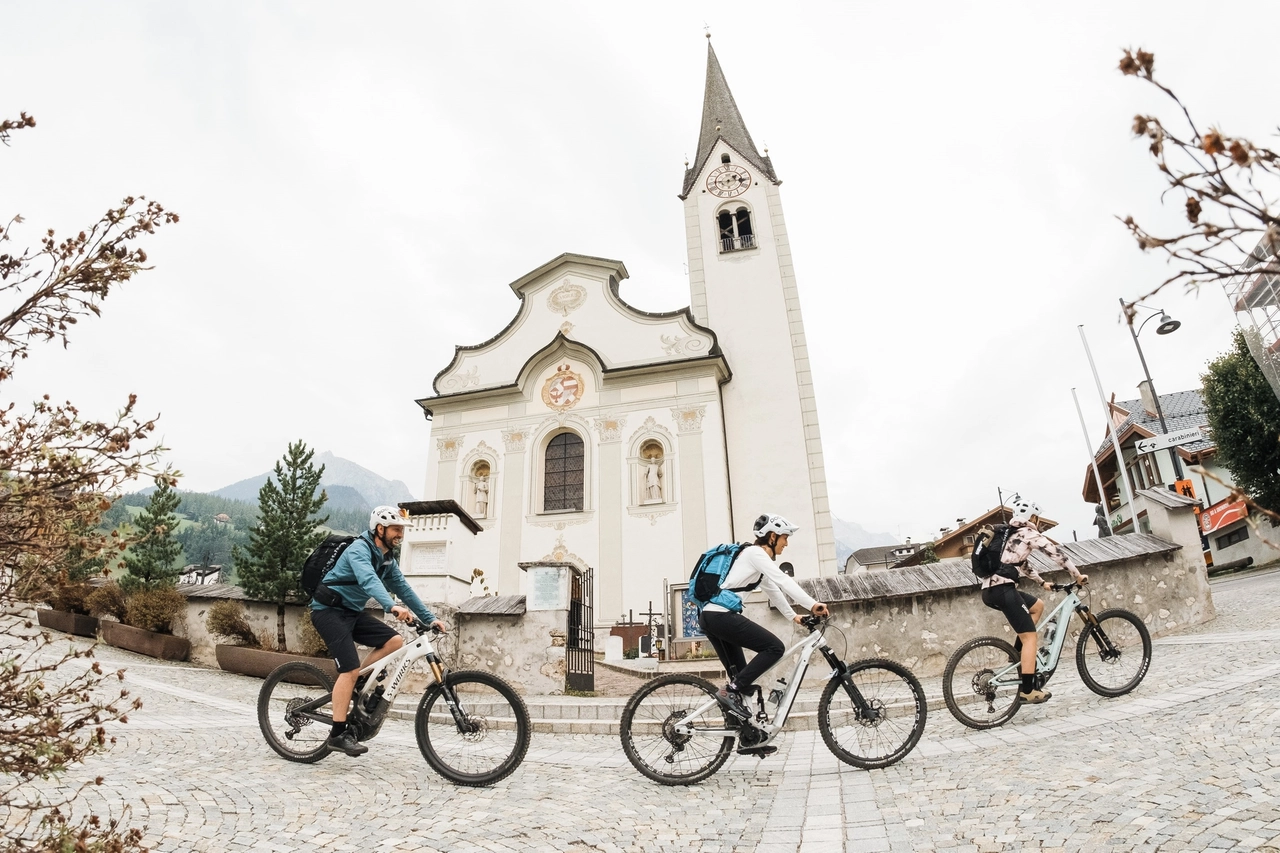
735 244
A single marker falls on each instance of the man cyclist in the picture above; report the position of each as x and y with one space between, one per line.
363 571
730 632
1022 609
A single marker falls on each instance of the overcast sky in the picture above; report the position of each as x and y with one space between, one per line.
359 182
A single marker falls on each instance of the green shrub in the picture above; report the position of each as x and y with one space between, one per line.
108 600
229 620
155 609
631 654
309 638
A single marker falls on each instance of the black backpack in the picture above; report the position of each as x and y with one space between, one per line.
322 560
987 550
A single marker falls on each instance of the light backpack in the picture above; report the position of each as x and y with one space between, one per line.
707 581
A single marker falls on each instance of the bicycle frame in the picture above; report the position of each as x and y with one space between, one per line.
806 647
376 674
1047 657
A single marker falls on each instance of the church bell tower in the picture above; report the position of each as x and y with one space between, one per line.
743 285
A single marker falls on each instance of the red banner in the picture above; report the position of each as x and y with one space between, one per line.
1222 514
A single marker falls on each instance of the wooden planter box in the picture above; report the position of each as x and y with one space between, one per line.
68 623
162 646
259 662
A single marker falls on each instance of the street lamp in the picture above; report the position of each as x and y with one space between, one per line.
1167 326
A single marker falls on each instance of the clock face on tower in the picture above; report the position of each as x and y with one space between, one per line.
728 181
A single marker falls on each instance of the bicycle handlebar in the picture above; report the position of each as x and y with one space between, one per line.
812 622
417 625
1067 587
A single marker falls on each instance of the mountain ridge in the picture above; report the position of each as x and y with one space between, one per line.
349 485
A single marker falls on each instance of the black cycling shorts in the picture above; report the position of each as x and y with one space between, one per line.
341 629
1015 605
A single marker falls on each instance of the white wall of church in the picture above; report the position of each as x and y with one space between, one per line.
654 489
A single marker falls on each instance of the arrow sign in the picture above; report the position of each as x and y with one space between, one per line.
1172 439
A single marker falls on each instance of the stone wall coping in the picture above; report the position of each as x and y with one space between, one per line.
956 573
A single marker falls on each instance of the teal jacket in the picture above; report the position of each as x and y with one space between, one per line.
363 561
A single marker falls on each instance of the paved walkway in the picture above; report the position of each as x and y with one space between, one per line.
1189 761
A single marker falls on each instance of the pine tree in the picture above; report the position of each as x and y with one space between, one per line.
270 567
153 561
1244 417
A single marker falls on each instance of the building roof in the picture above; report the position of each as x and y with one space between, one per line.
1182 410
443 507
876 554
722 120
1168 498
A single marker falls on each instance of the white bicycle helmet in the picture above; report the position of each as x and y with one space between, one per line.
386 516
1023 509
770 523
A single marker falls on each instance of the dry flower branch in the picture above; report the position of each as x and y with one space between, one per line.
1228 187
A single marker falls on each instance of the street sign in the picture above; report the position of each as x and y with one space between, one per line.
1172 439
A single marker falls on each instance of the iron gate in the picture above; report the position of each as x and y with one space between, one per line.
580 653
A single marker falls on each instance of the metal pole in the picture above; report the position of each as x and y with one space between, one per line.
1093 462
1164 428
1115 440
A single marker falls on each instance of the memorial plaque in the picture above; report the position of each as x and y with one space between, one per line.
548 588
427 558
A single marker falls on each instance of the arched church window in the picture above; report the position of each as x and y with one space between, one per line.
736 231
563 473
480 485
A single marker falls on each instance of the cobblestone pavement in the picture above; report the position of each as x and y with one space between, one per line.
1189 761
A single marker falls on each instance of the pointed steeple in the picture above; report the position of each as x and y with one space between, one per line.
721 120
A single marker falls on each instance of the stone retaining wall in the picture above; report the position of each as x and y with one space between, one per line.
919 615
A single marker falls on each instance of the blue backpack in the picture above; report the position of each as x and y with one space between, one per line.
706 584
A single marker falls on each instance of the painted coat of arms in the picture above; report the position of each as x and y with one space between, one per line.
564 390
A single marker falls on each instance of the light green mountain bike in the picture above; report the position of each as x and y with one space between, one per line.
981 680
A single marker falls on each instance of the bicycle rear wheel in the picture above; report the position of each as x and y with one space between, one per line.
974 693
289 690
488 740
888 727
654 747
1113 656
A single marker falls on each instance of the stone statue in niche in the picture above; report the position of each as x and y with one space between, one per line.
653 479
482 497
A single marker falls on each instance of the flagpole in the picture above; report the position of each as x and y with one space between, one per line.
1115 439
1088 446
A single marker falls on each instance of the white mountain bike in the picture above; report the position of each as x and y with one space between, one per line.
871 714
472 727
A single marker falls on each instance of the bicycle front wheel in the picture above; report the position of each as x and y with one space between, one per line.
1113 656
290 693
885 726
651 742
980 683
487 739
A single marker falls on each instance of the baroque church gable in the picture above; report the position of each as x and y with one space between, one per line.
572 303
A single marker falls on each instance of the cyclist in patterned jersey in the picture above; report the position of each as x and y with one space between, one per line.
730 632
1022 609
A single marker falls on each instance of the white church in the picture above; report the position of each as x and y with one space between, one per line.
591 432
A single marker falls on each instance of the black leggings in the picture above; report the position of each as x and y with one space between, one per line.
729 634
